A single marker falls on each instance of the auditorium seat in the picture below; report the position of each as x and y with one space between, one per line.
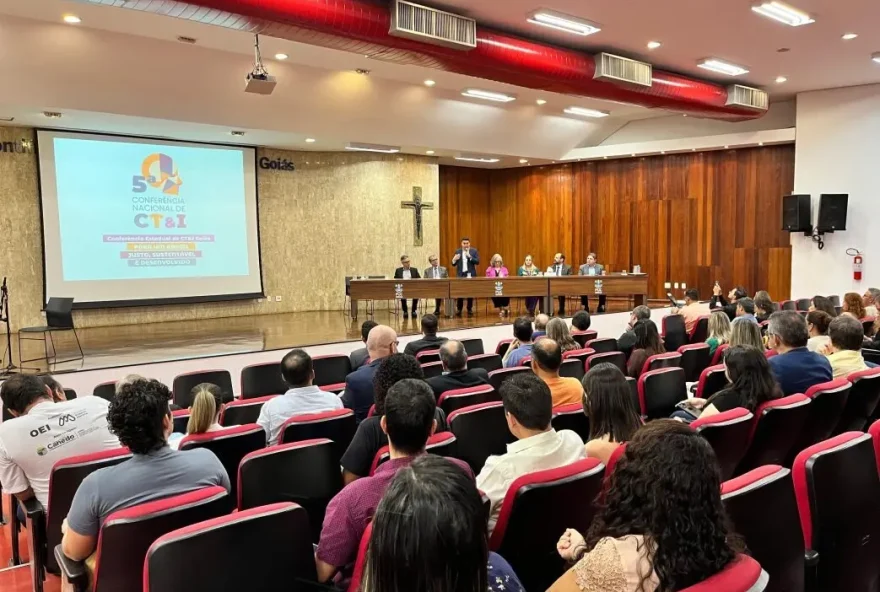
306 473
579 354
536 510
503 346
337 425
712 380
442 444
718 356
466 397
126 535
260 380
180 418
659 391
497 377
871 355
184 384
572 417
769 353
488 362
614 458
266 547
69 394
700 332
616 358
331 371
868 325
105 390
802 304
827 402
729 433
230 445
874 430
862 401
777 425
666 360
789 305
582 337
763 510
428 356
432 369
44 524
835 300
674 334
573 368
242 411
633 385
526 361
837 488
473 347
480 431
743 574
694 359
360 563
602 344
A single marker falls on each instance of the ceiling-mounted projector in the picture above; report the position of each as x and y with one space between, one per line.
258 81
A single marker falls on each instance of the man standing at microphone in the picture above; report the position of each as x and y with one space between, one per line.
465 261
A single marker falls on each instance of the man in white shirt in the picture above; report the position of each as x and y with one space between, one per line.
528 406
44 432
303 397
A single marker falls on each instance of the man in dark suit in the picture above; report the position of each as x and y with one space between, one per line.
559 268
435 272
407 272
359 395
359 356
465 261
430 339
456 374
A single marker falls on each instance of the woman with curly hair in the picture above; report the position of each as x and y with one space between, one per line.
853 305
662 526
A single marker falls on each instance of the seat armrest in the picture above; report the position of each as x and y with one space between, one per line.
35 515
811 571
75 571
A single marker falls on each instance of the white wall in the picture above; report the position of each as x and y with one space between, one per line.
838 151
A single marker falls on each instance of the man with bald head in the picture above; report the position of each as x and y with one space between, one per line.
540 326
455 371
546 361
358 395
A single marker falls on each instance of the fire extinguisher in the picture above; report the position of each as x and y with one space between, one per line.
857 263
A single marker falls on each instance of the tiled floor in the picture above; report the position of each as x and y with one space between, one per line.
18 579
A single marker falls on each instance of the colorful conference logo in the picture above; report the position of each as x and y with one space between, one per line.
158 171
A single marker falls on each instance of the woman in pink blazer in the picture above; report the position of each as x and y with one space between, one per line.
496 269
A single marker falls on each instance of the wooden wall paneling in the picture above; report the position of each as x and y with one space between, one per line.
464 210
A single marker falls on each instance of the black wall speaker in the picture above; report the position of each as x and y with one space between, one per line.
832 212
796 213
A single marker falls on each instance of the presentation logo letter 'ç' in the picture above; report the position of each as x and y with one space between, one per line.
158 171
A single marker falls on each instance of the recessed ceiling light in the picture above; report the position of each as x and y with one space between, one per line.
477 158
662 152
876 57
654 44
586 112
430 83
633 154
523 161
541 102
310 140
605 157
362 71
564 22
693 149
237 133
281 56
726 147
487 95
781 79
785 14
722 67
362 147
760 143
72 19
52 114
849 36
429 152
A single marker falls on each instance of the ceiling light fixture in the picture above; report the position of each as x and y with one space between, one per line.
72 19
361 147
849 36
781 79
564 22
238 133
722 67
430 83
541 102
281 56
310 140
429 152
785 14
586 112
486 159
726 147
52 114
760 143
523 161
654 44
486 95
362 71
876 57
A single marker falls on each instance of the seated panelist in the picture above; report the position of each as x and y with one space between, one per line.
592 268
407 272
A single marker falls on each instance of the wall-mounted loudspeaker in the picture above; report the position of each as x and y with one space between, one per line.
832 212
796 213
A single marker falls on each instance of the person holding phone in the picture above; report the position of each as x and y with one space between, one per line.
465 261
692 310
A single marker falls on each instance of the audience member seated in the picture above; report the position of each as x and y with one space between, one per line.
430 518
611 410
546 361
796 368
430 340
692 309
558 331
408 421
369 437
824 304
648 343
528 407
751 384
873 341
521 346
662 526
58 394
581 321
140 417
719 331
358 395
360 356
301 398
205 412
728 305
745 310
627 340
746 334
541 322
42 434
817 325
764 306
852 306
871 300
844 352
455 371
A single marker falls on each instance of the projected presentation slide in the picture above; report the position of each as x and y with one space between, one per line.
132 219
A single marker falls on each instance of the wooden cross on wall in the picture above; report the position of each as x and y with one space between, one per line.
417 205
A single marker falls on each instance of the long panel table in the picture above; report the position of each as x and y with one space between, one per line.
614 284
398 290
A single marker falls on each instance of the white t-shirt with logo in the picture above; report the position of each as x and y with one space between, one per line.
31 444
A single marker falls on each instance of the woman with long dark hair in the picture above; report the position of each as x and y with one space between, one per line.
661 526
823 303
429 535
612 412
648 343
